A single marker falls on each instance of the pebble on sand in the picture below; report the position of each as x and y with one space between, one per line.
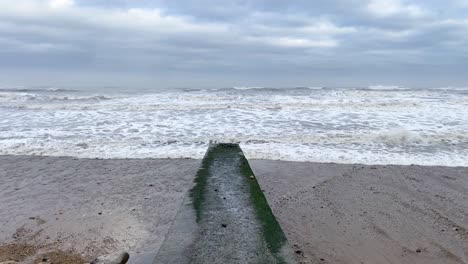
111 259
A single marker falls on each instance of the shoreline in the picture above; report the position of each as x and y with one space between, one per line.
341 213
249 159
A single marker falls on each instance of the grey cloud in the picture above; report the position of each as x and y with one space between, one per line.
249 41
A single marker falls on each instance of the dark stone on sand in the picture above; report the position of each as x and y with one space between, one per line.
123 258
418 250
109 259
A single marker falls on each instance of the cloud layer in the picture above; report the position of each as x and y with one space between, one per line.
233 42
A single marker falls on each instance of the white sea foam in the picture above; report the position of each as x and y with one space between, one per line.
399 136
452 88
315 87
381 126
386 87
248 87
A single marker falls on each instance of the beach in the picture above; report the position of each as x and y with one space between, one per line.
338 213
331 213
238 132
89 206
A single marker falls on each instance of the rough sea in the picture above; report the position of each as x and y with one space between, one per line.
369 125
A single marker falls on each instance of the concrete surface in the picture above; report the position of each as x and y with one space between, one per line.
225 217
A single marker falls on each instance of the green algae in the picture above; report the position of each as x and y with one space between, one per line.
271 231
197 192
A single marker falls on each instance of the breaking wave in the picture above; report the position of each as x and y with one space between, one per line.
347 125
26 90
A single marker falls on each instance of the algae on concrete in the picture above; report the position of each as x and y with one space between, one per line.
271 231
200 182
228 216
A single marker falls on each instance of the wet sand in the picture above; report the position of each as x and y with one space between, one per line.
93 207
332 213
369 214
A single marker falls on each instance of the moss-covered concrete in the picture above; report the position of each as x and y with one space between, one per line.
200 182
271 230
231 220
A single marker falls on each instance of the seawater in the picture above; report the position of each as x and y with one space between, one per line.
369 125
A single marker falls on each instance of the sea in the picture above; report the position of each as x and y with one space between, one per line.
364 125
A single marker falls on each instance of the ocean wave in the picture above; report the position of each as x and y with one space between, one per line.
264 88
82 98
386 88
35 90
138 148
391 138
315 87
115 104
22 97
450 88
302 124
249 87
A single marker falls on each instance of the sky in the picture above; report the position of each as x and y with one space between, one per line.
212 43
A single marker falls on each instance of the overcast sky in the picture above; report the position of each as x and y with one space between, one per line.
172 43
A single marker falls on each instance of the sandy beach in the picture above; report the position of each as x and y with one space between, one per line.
331 213
370 214
92 207
339 132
